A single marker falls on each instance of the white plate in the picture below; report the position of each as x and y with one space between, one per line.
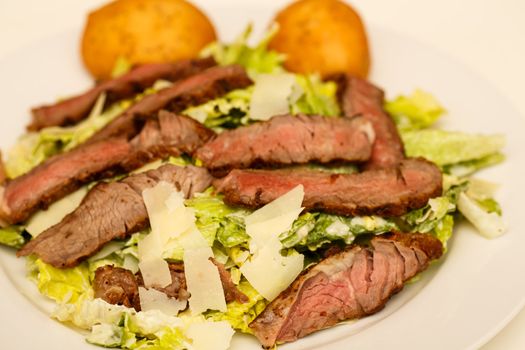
461 303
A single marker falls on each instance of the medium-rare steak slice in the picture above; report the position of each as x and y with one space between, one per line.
384 192
61 175
109 211
359 97
74 109
199 88
167 135
348 285
119 286
288 139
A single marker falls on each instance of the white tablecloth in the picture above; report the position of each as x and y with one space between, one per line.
487 35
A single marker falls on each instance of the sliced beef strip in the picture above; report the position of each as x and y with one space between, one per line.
288 139
61 175
197 89
109 211
359 97
167 135
116 286
74 109
119 286
348 285
384 192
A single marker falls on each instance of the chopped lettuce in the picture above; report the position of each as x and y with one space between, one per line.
227 112
61 285
487 221
318 97
314 230
256 60
121 67
444 229
417 111
218 220
119 326
471 166
446 148
12 236
239 315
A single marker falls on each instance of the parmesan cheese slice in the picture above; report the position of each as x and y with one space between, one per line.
152 299
271 95
210 335
153 267
269 272
203 281
275 217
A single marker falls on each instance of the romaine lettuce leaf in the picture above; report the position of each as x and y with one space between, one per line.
485 218
444 229
61 285
318 97
417 111
446 148
471 166
256 60
119 326
12 236
227 112
239 315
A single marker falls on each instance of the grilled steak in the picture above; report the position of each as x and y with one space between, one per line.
199 88
348 285
109 211
60 175
116 286
74 109
168 135
289 139
359 97
384 192
119 286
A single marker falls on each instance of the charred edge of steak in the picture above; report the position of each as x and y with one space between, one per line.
74 109
199 88
350 284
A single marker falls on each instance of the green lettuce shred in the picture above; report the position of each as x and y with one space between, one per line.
227 112
12 236
318 97
257 59
240 315
61 285
446 148
417 111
